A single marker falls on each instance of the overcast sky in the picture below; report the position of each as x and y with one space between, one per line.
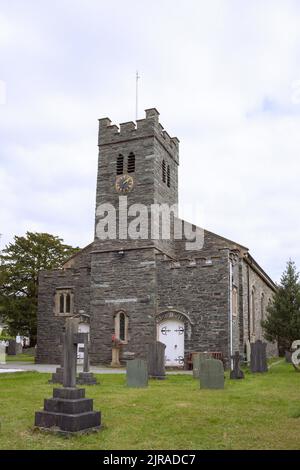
224 75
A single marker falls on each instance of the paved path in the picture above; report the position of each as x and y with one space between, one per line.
26 366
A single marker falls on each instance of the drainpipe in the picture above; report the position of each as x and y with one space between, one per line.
249 300
230 314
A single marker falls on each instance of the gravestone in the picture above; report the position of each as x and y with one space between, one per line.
236 372
258 360
2 352
57 376
14 348
288 357
137 373
68 411
296 354
248 351
86 377
156 360
212 374
198 358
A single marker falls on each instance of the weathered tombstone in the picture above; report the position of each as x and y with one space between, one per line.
137 373
69 412
2 352
14 348
248 351
258 360
86 377
156 360
288 357
57 376
236 372
296 354
212 374
198 358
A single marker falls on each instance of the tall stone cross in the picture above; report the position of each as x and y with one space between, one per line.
71 339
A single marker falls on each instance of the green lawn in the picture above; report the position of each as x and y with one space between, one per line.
20 358
260 412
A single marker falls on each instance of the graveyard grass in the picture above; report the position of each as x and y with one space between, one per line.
260 412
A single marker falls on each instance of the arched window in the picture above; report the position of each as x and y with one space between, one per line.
253 310
64 302
61 303
168 177
120 164
164 177
121 326
262 306
68 303
131 163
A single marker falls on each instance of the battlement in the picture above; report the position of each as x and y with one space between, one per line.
148 127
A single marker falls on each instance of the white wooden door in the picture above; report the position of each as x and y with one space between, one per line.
171 333
83 328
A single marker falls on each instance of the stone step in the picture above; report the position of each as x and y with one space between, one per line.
60 405
68 422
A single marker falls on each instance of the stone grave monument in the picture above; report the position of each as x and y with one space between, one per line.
156 360
69 412
236 372
86 377
14 348
137 373
57 376
258 359
198 358
288 357
212 374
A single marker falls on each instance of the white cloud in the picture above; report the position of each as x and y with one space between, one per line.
222 75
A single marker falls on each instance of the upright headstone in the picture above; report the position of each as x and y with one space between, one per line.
288 357
69 412
212 374
156 360
198 358
258 361
86 377
236 372
137 373
248 351
14 348
2 352
57 376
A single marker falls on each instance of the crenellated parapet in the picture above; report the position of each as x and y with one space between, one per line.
143 128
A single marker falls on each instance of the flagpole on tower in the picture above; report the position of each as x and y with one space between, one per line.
136 94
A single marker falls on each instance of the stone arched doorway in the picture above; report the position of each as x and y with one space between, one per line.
173 328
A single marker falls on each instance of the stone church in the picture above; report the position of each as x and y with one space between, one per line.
137 289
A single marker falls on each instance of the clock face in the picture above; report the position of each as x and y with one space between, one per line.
124 184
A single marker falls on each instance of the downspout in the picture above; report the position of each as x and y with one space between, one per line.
230 314
248 288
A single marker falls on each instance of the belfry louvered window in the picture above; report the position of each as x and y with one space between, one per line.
120 164
164 171
168 177
131 163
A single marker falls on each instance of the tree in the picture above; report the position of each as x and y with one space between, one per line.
20 263
283 321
